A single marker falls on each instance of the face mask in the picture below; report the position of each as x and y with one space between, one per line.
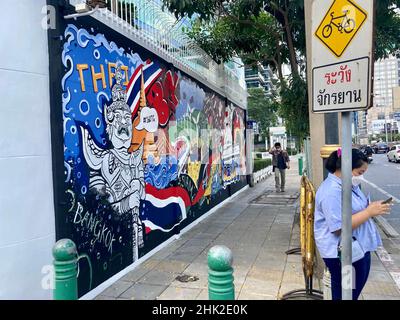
356 180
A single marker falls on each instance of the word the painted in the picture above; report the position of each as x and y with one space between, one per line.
100 75
99 230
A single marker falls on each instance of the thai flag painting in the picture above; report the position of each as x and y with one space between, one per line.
164 209
151 72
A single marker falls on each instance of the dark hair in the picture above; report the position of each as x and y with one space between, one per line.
277 144
334 162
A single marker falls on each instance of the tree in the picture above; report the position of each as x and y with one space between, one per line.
245 17
262 109
387 41
294 107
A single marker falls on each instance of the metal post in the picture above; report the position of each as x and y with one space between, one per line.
386 129
300 163
220 274
331 134
66 270
346 235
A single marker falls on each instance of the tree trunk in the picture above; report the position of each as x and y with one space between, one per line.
278 66
292 51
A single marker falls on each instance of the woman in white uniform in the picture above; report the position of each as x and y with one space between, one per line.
328 223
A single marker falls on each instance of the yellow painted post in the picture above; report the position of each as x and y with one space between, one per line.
303 217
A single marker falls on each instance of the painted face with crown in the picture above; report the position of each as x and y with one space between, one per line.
118 116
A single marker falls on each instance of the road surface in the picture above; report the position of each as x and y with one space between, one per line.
382 181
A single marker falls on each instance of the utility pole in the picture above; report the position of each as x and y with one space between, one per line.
386 131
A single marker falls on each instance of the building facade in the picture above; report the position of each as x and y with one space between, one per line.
260 76
386 79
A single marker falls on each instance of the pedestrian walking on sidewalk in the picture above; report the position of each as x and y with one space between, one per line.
328 223
280 162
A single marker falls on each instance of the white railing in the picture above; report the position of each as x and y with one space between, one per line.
147 23
262 174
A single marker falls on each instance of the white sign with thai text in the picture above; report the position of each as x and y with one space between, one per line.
343 86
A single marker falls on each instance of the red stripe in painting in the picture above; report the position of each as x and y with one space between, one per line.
199 195
147 88
133 77
169 192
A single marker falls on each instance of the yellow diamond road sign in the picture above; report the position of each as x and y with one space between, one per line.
340 25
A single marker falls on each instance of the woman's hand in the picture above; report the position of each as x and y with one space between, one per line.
376 208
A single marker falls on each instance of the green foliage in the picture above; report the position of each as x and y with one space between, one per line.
243 19
291 152
382 137
262 109
256 39
260 164
260 149
294 107
387 40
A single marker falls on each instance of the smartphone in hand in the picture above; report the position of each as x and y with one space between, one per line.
387 201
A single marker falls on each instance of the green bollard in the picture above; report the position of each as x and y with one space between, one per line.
300 166
220 274
66 270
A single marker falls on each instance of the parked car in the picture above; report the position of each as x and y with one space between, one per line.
381 148
394 153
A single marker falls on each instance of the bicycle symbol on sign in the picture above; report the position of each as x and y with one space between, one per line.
346 24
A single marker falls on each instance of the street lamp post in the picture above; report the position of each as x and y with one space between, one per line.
384 111
386 132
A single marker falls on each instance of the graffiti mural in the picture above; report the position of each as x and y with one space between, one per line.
147 150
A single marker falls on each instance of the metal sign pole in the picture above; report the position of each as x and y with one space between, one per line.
346 235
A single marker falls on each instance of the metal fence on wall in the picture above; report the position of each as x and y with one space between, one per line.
147 20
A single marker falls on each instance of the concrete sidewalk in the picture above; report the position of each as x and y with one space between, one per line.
258 225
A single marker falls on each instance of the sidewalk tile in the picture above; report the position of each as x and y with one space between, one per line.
381 288
184 257
135 274
201 283
101 297
117 289
264 274
251 295
197 268
141 291
174 293
261 287
150 263
203 295
171 265
368 296
379 276
158 277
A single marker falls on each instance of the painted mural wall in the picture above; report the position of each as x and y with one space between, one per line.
147 150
